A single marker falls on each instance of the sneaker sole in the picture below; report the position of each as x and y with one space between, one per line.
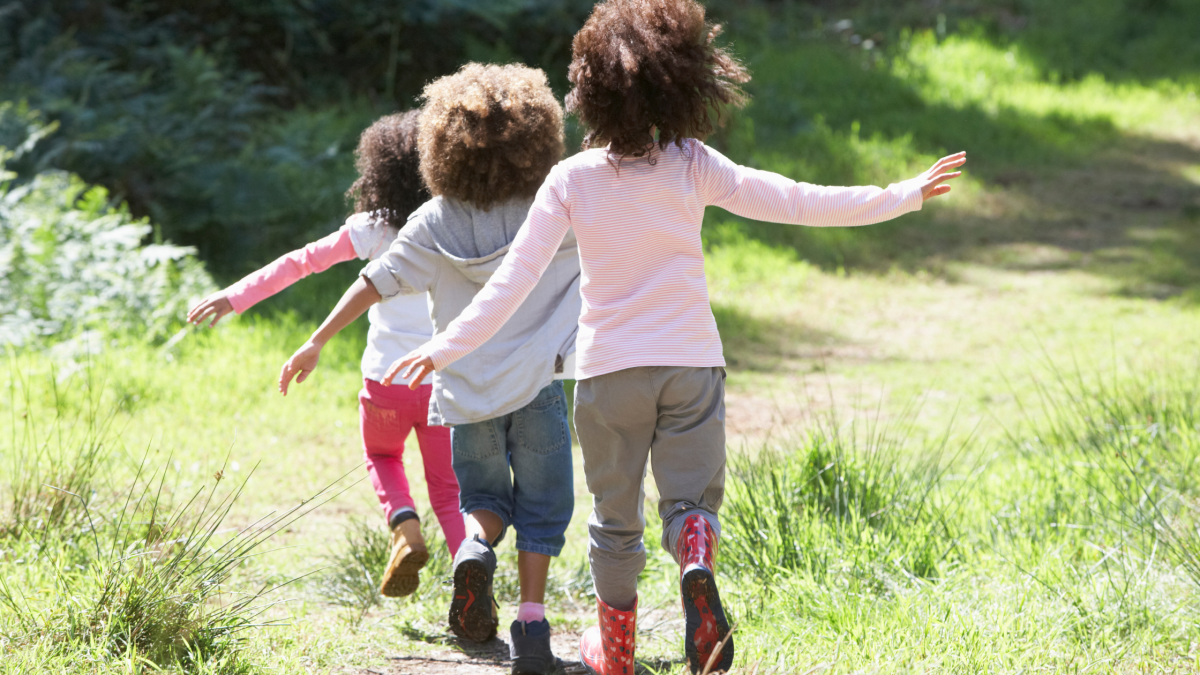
471 609
701 604
400 578
537 666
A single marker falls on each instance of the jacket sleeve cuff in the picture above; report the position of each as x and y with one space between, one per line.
238 297
440 354
913 200
380 277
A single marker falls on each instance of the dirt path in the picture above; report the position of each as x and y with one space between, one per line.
659 632
491 658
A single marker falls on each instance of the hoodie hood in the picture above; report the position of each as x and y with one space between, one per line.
475 242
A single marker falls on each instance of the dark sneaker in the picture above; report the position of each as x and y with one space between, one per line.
530 650
706 625
473 610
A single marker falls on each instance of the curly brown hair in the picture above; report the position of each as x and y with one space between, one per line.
389 169
640 65
489 133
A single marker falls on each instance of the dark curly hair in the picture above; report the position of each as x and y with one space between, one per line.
489 133
640 65
389 169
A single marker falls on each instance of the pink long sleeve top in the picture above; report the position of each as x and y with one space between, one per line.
289 268
398 325
645 297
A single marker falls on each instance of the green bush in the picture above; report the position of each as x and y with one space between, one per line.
231 124
71 262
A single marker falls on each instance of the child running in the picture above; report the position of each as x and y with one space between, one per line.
489 135
389 187
645 76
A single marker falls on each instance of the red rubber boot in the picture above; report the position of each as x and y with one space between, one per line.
706 623
607 649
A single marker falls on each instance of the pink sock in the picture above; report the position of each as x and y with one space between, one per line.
531 611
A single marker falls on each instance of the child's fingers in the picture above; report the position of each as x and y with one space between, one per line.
420 377
423 370
391 373
958 156
285 376
941 167
412 365
948 162
939 190
945 177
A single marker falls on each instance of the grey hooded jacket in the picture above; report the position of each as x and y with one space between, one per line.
450 249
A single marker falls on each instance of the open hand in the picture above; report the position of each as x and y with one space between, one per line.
216 305
416 362
931 180
302 363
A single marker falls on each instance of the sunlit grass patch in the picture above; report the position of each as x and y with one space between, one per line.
961 70
97 569
844 506
1071 545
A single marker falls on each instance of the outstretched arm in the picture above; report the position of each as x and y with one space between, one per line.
767 196
356 300
286 270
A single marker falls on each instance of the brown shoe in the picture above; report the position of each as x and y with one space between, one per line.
409 555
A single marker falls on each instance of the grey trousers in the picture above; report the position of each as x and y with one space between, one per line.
673 416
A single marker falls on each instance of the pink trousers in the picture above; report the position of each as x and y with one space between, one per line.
387 415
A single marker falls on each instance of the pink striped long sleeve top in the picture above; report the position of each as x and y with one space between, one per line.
645 298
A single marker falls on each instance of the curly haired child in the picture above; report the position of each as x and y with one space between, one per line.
646 76
389 187
489 135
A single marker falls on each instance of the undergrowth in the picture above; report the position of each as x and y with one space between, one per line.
95 569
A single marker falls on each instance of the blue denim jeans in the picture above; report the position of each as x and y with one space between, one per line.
518 466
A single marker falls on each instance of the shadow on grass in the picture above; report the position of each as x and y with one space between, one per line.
1061 191
1142 41
755 343
494 652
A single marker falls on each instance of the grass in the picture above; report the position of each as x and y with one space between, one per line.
962 442
97 571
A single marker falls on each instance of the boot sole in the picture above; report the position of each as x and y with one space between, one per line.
702 603
471 608
400 578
